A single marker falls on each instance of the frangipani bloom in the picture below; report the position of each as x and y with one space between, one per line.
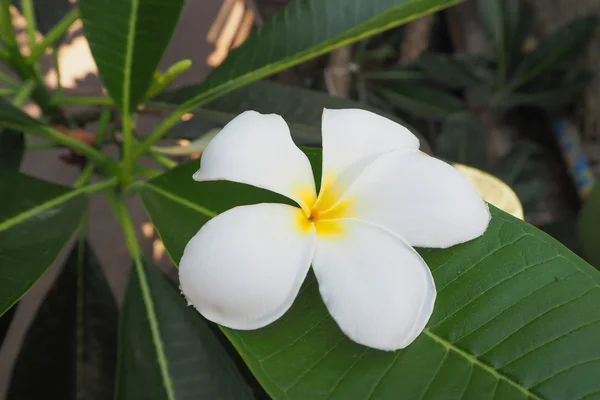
379 197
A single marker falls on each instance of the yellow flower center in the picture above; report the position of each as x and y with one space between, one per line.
324 212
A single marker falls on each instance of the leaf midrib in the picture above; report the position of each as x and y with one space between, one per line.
475 361
40 208
297 58
182 200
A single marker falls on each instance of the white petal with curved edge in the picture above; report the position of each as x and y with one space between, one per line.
244 268
353 138
257 149
377 288
425 201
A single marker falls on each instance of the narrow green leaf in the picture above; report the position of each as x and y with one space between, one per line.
304 29
127 39
48 12
37 219
561 48
70 349
301 109
517 317
557 93
12 147
453 71
166 351
507 23
422 101
589 227
463 139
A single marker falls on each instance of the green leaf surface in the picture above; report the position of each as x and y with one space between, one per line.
517 316
12 147
589 227
70 349
422 101
304 29
166 351
560 49
463 139
301 108
127 39
37 219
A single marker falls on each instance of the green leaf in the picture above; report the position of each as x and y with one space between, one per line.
37 219
48 12
70 350
12 147
454 71
422 101
558 93
301 109
507 22
517 316
394 74
304 29
589 227
463 139
558 50
166 351
127 39
13 118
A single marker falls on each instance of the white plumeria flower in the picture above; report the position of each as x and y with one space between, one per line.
379 197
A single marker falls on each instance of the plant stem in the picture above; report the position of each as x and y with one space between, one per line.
98 187
127 165
165 161
54 35
103 126
85 176
29 14
40 146
120 209
23 94
92 100
88 151
9 81
160 131
56 64
8 91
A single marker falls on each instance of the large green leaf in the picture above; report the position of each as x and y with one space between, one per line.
558 50
589 227
37 219
301 108
304 29
127 39
12 147
70 350
517 317
166 351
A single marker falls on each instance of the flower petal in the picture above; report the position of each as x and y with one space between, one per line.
377 288
354 138
257 149
425 201
244 268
